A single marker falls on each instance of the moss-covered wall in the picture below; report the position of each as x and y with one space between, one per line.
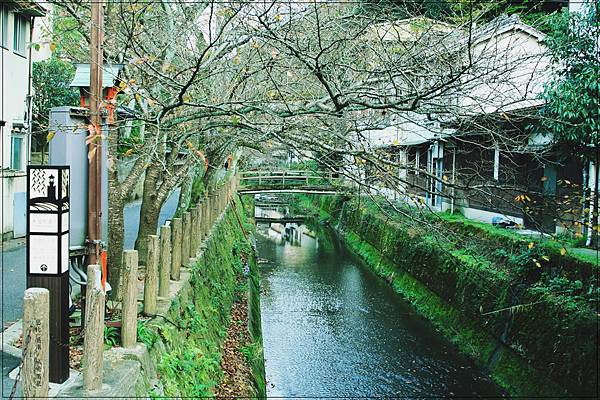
550 345
186 344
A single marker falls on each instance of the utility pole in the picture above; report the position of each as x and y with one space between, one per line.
95 142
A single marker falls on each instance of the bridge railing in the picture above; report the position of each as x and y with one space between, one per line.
286 178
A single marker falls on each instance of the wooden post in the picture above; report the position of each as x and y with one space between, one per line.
200 224
215 208
165 261
151 281
194 232
185 242
210 212
176 245
36 342
205 218
93 341
129 311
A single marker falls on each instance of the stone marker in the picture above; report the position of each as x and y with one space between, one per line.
36 342
93 341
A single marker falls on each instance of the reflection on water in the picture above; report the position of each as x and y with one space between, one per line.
332 328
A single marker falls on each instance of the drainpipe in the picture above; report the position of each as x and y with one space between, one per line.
29 93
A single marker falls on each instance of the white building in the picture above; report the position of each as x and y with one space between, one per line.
16 29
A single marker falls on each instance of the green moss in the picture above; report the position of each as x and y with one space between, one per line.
191 336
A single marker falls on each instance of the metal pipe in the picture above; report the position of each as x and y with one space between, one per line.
95 143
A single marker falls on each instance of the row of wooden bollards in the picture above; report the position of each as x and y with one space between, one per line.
177 246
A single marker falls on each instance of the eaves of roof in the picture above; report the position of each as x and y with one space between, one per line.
27 7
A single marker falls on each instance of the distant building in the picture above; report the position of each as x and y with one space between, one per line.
474 154
16 30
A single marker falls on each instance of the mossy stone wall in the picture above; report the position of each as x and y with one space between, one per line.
186 344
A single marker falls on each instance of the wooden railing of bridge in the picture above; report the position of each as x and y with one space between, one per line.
290 181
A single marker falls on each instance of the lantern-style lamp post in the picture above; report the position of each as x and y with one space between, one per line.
48 254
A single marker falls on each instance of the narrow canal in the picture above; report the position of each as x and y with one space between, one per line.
331 328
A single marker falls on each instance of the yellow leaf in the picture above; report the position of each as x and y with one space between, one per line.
50 136
52 47
236 60
537 264
445 178
544 178
278 18
129 152
545 258
530 245
563 251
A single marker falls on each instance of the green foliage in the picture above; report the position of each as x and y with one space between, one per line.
67 37
145 334
112 336
128 144
249 351
400 9
571 114
51 80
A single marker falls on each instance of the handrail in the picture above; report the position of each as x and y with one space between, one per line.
292 179
280 172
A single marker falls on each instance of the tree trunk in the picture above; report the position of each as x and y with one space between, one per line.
185 195
116 237
116 230
149 212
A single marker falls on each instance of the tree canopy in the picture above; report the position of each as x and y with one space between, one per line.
571 112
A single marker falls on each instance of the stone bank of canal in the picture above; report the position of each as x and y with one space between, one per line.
331 327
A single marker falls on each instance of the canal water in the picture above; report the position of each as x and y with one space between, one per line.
331 328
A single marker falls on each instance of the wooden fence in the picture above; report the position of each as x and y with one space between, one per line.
177 246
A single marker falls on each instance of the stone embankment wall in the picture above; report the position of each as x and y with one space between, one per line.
186 341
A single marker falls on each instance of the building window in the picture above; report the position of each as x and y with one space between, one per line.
19 34
16 145
417 161
4 25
